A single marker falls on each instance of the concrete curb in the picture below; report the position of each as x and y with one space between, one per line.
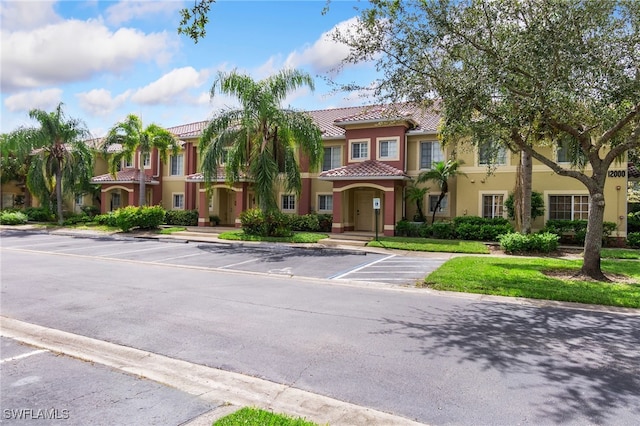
218 386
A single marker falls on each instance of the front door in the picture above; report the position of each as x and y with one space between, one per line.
364 211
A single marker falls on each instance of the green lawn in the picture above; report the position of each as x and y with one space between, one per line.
524 277
424 244
297 237
256 417
171 230
617 253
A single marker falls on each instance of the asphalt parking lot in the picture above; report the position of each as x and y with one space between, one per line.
325 263
65 390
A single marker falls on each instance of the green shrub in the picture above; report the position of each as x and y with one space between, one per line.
39 214
305 223
13 218
151 217
127 217
515 242
270 224
277 224
442 230
404 228
633 240
575 231
325 222
90 211
253 223
481 229
107 219
74 219
214 219
181 217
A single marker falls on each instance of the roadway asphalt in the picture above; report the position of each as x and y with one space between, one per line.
218 391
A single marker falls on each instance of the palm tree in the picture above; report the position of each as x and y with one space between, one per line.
440 174
415 193
60 160
133 137
260 139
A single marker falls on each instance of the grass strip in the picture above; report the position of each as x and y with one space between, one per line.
617 253
297 237
431 245
523 277
255 417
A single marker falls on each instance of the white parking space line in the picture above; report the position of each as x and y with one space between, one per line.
337 277
28 354
85 247
240 263
177 257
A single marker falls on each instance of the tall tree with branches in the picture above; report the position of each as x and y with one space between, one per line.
132 137
60 161
539 72
261 139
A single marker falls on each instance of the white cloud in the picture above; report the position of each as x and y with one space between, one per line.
74 50
26 15
100 102
126 11
41 99
172 87
325 54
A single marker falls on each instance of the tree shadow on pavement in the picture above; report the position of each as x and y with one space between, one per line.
590 361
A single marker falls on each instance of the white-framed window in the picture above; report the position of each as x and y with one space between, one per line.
288 202
430 152
433 201
492 205
178 201
325 203
127 163
79 199
146 160
359 150
491 153
176 165
332 158
569 207
388 149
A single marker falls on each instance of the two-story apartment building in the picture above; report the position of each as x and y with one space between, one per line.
370 153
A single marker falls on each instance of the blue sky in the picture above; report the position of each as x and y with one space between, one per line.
104 60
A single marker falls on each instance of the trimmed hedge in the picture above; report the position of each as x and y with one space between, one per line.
311 222
130 217
13 218
575 231
514 243
181 217
39 214
270 224
633 240
472 228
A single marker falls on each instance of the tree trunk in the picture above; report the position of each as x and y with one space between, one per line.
59 199
437 207
526 177
142 198
593 240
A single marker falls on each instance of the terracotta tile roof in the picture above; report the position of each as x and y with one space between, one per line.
190 130
199 177
124 176
633 171
331 120
370 169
